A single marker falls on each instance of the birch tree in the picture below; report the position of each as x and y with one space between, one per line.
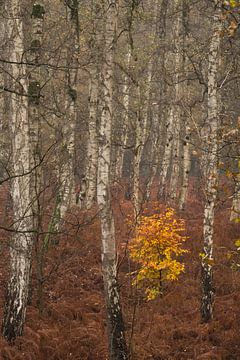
140 139
88 195
66 170
92 145
186 156
235 210
177 109
210 168
186 165
158 106
125 120
116 339
34 92
165 163
21 241
141 125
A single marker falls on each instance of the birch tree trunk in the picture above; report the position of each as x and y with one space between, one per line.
167 155
186 156
21 242
158 106
34 89
66 170
124 132
155 132
116 339
92 147
89 196
210 169
235 211
141 125
177 111
186 166
140 136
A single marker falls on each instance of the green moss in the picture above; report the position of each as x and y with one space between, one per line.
38 11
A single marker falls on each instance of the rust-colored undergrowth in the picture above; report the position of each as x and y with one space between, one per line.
72 324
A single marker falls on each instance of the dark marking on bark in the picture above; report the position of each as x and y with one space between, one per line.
34 90
38 11
207 294
72 93
14 319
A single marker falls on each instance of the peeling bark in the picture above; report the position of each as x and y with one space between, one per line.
92 147
176 105
21 242
116 339
66 170
186 166
125 122
167 155
210 168
34 90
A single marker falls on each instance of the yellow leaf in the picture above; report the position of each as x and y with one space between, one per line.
237 243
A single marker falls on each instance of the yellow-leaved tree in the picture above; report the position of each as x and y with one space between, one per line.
156 247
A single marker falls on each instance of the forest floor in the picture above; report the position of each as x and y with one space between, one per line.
72 324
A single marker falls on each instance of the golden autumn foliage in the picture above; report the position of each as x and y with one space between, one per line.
156 247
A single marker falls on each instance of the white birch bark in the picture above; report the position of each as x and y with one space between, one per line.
158 106
125 118
140 139
141 126
88 193
66 170
21 242
88 188
167 155
34 89
235 210
210 168
177 113
116 339
186 155
153 155
186 166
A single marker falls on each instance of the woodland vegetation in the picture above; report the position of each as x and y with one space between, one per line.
120 179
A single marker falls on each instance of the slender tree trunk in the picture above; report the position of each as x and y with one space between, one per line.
175 172
92 147
186 156
177 110
21 242
141 132
167 155
210 168
34 90
139 143
159 110
235 211
66 169
125 122
89 183
116 339
186 166
153 153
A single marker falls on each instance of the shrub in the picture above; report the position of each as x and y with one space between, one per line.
156 246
